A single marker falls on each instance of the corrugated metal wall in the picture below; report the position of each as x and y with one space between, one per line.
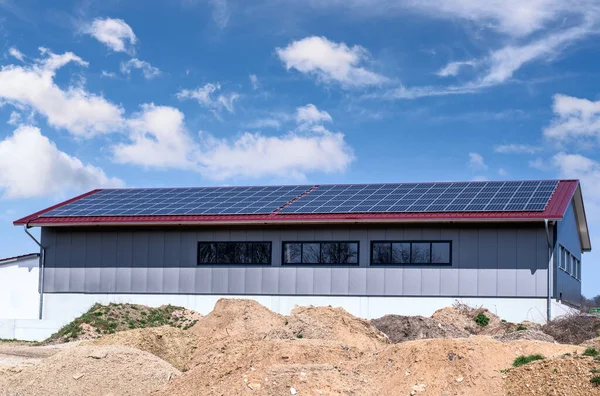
486 261
568 236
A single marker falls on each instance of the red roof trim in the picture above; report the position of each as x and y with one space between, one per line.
555 210
31 217
19 258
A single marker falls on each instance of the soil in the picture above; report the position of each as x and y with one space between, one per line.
87 370
559 376
407 328
534 335
173 345
463 317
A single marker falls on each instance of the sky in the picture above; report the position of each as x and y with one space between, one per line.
97 94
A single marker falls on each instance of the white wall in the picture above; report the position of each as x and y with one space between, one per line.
19 297
27 329
64 307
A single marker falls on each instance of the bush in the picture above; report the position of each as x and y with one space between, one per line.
521 327
595 380
591 352
521 360
482 320
573 329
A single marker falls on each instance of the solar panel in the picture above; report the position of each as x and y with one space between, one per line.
185 201
426 197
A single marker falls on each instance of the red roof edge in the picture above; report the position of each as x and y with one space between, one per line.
27 219
560 200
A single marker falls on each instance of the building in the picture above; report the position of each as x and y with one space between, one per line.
514 247
19 293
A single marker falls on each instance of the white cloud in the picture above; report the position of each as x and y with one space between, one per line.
254 81
15 118
330 62
12 51
264 123
81 113
204 96
220 12
114 33
517 148
502 172
575 119
147 69
108 74
310 115
289 156
587 170
453 68
158 138
476 162
32 166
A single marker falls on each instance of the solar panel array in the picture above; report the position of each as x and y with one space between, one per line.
511 196
181 201
427 197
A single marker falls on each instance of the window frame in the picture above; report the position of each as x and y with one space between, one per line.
569 263
252 263
411 264
321 264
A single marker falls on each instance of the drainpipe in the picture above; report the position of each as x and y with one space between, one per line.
550 271
42 266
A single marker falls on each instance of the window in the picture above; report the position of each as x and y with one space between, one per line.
569 263
333 253
234 253
411 252
563 258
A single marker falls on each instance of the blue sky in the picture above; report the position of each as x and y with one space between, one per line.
224 92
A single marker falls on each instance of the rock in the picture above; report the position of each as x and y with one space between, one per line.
254 386
77 376
293 391
98 354
459 379
419 387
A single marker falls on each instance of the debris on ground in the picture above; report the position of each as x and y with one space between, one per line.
573 328
91 370
171 344
566 375
109 319
407 328
464 317
532 335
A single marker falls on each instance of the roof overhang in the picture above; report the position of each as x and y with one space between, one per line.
582 225
10 260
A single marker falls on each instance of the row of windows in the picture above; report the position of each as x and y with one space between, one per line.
328 253
569 263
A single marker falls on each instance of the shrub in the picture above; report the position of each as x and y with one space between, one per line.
521 327
482 320
521 360
591 352
595 380
299 335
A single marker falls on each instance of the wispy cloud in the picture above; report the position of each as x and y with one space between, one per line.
576 120
254 81
15 53
114 33
517 148
476 162
204 96
147 69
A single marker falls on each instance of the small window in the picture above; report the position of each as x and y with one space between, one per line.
563 258
234 253
311 253
416 252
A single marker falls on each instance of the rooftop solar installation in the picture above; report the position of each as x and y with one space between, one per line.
512 196
181 201
492 196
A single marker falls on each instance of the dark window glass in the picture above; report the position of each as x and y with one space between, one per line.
440 253
311 253
292 253
382 253
234 253
329 254
420 253
400 253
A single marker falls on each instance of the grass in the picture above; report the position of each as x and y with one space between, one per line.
482 320
591 352
521 328
521 360
595 380
595 371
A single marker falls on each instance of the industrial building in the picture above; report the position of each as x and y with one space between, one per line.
514 247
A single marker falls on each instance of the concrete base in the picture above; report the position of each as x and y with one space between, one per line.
62 308
27 329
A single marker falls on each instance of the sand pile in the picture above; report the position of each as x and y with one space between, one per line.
559 376
533 335
91 370
328 323
463 317
237 318
173 345
407 328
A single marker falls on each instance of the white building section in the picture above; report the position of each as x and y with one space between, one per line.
19 293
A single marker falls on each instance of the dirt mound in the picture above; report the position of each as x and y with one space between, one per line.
573 329
91 370
559 376
328 323
407 328
463 317
239 318
173 345
532 335
108 319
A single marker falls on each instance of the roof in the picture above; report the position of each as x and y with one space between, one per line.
563 192
18 258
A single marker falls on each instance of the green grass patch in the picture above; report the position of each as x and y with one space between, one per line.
521 328
591 352
521 360
595 380
482 320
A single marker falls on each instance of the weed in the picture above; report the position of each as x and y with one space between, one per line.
482 320
595 371
286 322
566 354
505 371
555 370
521 328
521 360
503 320
299 335
591 352
597 358
595 380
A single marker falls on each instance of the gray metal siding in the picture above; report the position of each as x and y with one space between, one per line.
568 236
490 260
